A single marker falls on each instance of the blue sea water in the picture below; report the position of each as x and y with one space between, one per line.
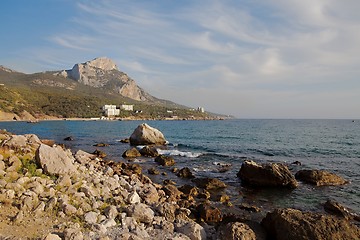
332 145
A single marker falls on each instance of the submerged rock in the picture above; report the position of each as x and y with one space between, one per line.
320 178
284 224
146 135
185 173
266 175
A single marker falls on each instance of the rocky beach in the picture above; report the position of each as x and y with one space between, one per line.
50 192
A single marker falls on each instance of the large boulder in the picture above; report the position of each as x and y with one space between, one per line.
284 224
54 160
320 178
266 175
146 135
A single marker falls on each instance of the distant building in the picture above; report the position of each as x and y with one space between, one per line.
127 107
201 109
111 110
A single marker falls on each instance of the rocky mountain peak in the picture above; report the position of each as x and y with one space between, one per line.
103 63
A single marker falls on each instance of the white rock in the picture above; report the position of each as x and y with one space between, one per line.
146 135
141 212
91 217
109 223
191 229
52 236
133 198
111 212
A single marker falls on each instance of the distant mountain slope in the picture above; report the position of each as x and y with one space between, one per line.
81 92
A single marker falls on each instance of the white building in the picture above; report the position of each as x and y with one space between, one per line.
111 110
126 107
201 109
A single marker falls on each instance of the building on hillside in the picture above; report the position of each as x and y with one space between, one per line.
201 109
111 110
127 107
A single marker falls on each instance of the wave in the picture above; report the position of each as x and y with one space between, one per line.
174 152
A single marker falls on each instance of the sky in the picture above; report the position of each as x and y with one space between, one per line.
246 58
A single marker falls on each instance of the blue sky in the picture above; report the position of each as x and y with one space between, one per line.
247 58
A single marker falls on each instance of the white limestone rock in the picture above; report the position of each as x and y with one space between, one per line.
146 135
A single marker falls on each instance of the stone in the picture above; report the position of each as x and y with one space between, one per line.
141 212
52 236
236 231
133 198
185 173
54 160
209 183
191 229
208 213
111 212
172 192
131 153
266 175
165 160
149 151
15 164
167 210
337 209
101 145
48 142
16 142
84 157
69 138
146 135
320 178
69 209
284 224
91 217
99 153
149 194
153 171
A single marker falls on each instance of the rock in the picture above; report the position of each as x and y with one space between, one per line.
125 140
298 163
48 142
153 171
133 198
266 175
149 151
209 183
320 178
84 157
111 212
91 217
70 138
167 210
99 153
52 236
249 208
209 213
149 194
236 231
131 153
185 173
54 160
141 212
146 135
284 224
69 209
101 145
189 190
337 209
191 229
172 192
165 160
16 142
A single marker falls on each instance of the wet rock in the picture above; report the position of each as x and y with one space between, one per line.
298 163
99 153
320 178
284 224
146 135
250 208
131 153
266 175
236 231
125 140
208 213
185 173
54 160
69 138
209 183
101 145
165 160
153 171
189 190
148 151
337 209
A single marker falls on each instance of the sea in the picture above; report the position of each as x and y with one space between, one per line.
206 147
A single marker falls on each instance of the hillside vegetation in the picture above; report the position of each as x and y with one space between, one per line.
43 94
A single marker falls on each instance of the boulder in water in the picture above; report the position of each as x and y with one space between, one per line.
131 153
320 178
266 175
146 135
165 160
284 224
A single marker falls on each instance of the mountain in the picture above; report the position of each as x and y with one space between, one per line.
81 92
103 73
